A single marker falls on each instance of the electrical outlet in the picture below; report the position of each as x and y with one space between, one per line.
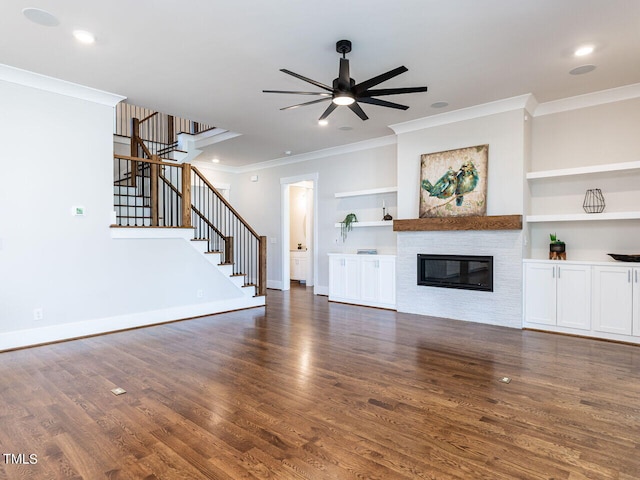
505 380
200 293
38 314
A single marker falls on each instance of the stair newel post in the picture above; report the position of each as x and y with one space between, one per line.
170 130
154 171
262 266
228 249
135 132
186 195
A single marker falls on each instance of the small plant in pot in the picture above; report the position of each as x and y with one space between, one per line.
557 248
346 225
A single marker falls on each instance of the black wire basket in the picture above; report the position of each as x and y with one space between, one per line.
593 201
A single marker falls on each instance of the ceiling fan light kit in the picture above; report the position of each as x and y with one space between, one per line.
346 92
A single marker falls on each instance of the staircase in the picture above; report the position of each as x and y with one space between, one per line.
153 192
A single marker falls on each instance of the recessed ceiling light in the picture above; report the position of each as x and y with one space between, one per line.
215 160
582 69
439 104
323 123
84 37
584 50
41 17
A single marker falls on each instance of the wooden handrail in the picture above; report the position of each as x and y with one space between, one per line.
149 116
224 200
205 220
148 160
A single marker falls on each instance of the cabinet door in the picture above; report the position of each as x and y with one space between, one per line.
636 301
387 281
336 276
612 300
344 278
370 279
540 293
573 296
351 278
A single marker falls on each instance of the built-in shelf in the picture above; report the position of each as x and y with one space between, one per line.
568 172
489 222
580 217
371 191
380 223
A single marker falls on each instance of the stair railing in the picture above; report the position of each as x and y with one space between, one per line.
243 247
150 192
158 132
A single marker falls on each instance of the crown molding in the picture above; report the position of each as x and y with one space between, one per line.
54 85
525 102
601 97
305 157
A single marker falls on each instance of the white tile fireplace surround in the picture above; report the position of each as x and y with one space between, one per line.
503 306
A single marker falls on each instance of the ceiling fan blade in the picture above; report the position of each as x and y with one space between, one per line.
382 103
313 82
343 76
355 108
392 91
328 111
306 103
297 93
372 82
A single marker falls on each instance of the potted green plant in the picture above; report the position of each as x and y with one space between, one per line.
557 247
347 224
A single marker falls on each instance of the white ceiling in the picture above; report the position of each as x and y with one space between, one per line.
209 60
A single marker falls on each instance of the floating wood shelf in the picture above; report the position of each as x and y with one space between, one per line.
495 222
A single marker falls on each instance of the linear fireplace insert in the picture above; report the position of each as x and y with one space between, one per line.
470 272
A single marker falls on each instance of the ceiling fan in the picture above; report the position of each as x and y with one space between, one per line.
345 90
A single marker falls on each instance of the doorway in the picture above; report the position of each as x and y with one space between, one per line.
299 230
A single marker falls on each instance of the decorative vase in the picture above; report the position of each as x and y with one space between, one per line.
593 201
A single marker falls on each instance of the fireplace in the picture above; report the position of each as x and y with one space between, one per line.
469 272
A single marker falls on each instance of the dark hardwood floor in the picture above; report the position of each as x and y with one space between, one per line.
317 390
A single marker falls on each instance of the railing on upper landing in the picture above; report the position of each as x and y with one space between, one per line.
158 132
154 193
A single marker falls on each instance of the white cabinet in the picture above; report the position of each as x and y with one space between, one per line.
344 278
363 279
616 300
378 280
298 265
557 295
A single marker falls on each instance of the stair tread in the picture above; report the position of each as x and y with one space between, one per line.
212 251
238 275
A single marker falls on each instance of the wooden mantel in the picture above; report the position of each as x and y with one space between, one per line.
494 222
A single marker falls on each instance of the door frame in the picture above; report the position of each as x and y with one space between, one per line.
285 203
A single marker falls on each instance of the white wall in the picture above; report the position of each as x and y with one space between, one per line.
594 135
507 136
259 203
504 132
58 153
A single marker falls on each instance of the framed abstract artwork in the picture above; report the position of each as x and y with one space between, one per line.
454 183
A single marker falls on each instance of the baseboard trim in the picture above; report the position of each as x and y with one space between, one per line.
58 333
